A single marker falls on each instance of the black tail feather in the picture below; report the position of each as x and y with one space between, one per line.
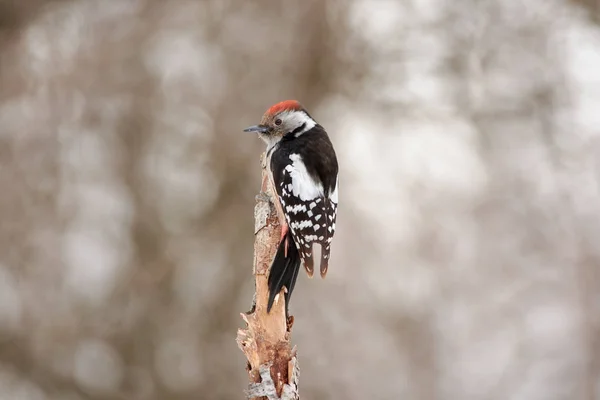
284 271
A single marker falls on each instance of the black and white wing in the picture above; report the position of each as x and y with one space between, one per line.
310 210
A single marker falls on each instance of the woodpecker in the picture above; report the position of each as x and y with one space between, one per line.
303 171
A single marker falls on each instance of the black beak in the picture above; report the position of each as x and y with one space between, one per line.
257 128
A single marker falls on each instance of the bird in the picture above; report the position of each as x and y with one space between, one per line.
302 169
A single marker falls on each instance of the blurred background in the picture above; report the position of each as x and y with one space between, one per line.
466 263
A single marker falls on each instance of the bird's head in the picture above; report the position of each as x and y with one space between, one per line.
287 118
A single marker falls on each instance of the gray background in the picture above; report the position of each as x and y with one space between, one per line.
466 263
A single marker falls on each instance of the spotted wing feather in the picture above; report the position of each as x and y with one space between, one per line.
311 221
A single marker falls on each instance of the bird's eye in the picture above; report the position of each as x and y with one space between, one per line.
278 121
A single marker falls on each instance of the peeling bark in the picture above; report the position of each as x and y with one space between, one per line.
272 363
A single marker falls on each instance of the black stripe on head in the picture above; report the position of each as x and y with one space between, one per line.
299 129
292 134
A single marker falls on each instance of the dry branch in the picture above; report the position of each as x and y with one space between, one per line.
272 364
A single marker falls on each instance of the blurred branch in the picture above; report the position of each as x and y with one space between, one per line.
17 14
272 364
592 7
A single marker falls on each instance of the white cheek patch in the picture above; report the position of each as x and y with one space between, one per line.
295 119
303 185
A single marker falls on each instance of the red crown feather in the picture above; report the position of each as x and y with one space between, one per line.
284 106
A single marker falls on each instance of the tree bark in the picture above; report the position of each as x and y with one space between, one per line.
272 364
